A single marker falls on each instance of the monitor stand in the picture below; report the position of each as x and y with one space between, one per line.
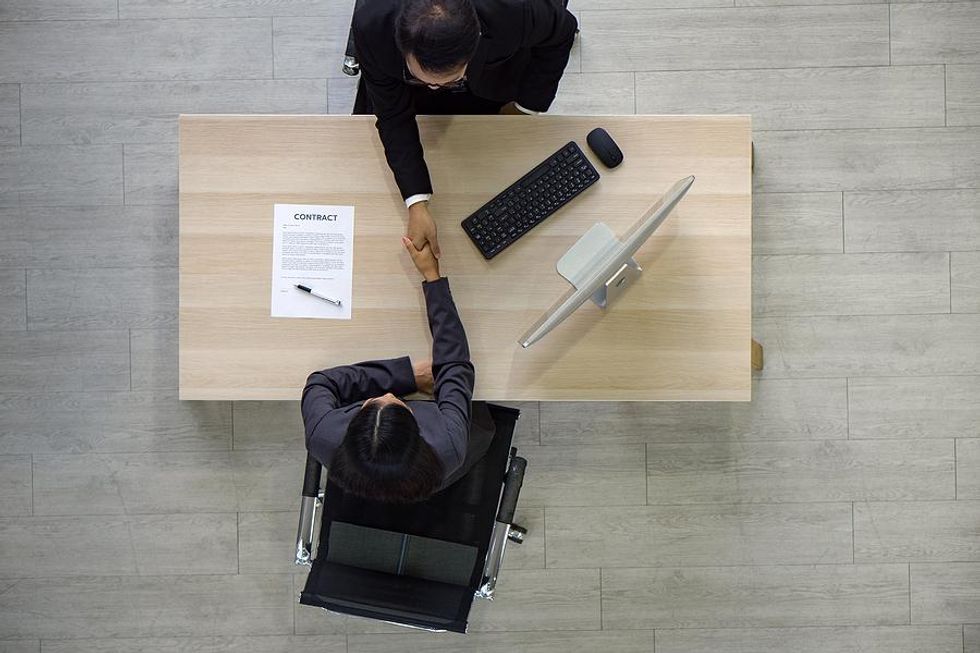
590 252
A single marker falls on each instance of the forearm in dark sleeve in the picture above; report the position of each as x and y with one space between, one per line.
449 343
347 384
398 129
451 367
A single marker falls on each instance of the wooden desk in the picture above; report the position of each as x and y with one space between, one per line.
682 333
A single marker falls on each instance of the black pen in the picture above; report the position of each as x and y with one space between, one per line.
335 302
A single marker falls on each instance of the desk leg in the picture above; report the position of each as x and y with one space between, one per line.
757 360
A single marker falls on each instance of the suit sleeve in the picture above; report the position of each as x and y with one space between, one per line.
329 391
549 32
452 370
396 123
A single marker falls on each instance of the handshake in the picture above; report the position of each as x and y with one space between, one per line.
421 240
424 259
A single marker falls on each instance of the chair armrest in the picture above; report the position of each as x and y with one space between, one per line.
512 490
351 66
503 525
307 512
311 479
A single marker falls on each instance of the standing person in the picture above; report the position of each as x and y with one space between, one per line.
452 57
381 447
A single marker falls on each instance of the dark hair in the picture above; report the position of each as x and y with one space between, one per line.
383 457
442 35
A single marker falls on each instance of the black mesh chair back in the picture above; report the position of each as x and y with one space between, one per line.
419 564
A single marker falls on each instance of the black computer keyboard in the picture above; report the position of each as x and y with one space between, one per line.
529 200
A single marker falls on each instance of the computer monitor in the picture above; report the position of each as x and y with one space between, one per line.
610 265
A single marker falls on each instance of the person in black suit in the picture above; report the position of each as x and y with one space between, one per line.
381 447
452 57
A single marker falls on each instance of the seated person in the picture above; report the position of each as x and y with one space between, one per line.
380 447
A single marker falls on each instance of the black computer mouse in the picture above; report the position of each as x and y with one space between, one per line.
604 147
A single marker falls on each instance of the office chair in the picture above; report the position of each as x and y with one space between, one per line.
350 67
415 565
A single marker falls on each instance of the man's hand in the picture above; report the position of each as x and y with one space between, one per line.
422 228
424 260
510 109
423 376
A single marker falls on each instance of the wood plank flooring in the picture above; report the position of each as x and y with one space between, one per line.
838 512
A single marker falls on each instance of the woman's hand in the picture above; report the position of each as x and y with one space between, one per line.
423 376
424 260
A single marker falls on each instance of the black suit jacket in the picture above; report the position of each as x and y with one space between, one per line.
333 397
521 56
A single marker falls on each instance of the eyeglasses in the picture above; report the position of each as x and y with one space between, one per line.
455 85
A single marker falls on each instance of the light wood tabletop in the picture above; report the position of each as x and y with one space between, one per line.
682 332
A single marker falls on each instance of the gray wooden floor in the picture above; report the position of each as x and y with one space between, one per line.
840 511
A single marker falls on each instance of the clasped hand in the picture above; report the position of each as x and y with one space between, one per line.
424 259
422 228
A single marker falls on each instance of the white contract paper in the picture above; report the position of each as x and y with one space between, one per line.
313 246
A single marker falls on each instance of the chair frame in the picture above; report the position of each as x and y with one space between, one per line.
504 528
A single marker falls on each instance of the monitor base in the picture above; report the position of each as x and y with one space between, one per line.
583 258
